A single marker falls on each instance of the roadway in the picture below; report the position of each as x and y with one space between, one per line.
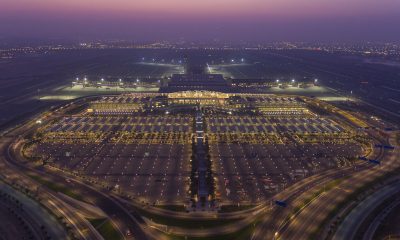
276 220
294 196
352 222
34 214
81 227
379 220
121 218
310 218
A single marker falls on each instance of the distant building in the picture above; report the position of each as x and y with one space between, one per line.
199 82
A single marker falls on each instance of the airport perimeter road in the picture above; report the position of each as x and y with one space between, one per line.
32 213
276 220
348 228
309 219
14 174
376 223
121 218
296 194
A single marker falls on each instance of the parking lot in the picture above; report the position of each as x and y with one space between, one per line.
112 124
147 157
252 172
247 124
149 172
149 154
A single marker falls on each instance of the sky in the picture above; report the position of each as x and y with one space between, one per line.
206 20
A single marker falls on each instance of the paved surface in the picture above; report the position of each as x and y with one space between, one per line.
348 228
12 173
296 195
36 214
122 218
309 219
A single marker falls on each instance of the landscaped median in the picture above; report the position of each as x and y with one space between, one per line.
208 226
187 223
106 229
56 187
235 208
243 233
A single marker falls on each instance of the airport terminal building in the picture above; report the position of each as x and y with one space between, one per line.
186 82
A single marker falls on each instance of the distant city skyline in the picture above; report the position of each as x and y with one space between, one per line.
231 20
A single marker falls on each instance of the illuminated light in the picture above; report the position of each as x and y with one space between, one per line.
39 121
293 80
277 80
120 80
233 60
242 59
102 79
77 79
316 80
137 80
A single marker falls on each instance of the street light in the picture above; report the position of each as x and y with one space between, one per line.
293 80
277 80
102 79
316 80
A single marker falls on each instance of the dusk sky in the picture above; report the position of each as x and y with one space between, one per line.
254 20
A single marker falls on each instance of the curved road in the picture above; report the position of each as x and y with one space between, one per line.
308 221
122 218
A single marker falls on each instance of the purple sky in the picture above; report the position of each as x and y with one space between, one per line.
254 20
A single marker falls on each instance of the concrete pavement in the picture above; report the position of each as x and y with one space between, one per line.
310 218
348 228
